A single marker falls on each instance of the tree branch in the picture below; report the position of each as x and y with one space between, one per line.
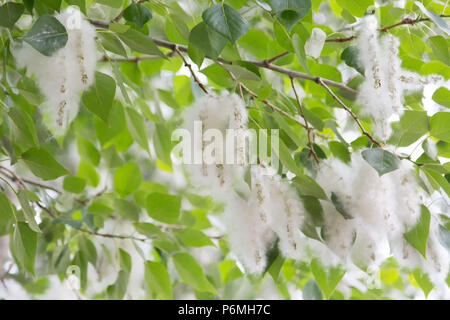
307 127
352 114
188 65
263 64
405 21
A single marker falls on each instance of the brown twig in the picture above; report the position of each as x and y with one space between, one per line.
352 114
263 64
189 66
405 21
307 127
6 274
277 57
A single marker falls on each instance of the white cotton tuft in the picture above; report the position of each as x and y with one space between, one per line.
218 113
281 208
314 45
382 209
249 238
381 93
374 94
67 73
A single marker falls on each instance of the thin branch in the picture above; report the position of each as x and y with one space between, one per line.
277 57
6 274
405 21
307 127
110 236
189 66
23 181
263 64
352 114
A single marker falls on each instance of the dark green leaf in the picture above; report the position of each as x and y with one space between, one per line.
226 21
207 40
100 96
43 165
10 12
47 35
381 160
138 14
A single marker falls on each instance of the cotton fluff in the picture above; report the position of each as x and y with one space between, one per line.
256 213
378 209
223 112
381 93
249 238
378 93
67 73
281 208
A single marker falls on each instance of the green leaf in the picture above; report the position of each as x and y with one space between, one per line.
27 210
418 236
10 12
441 23
311 291
423 281
43 165
440 127
137 128
6 211
340 207
27 135
124 260
193 238
290 11
413 125
127 179
226 21
381 160
326 279
307 186
229 271
442 96
140 42
148 229
74 184
444 236
191 272
88 151
118 290
340 151
100 96
138 14
299 47
87 172
158 280
164 207
356 7
88 249
47 35
440 49
350 57
23 246
207 40
111 43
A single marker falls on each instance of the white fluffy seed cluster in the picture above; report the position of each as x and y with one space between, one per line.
63 76
381 94
256 213
379 211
